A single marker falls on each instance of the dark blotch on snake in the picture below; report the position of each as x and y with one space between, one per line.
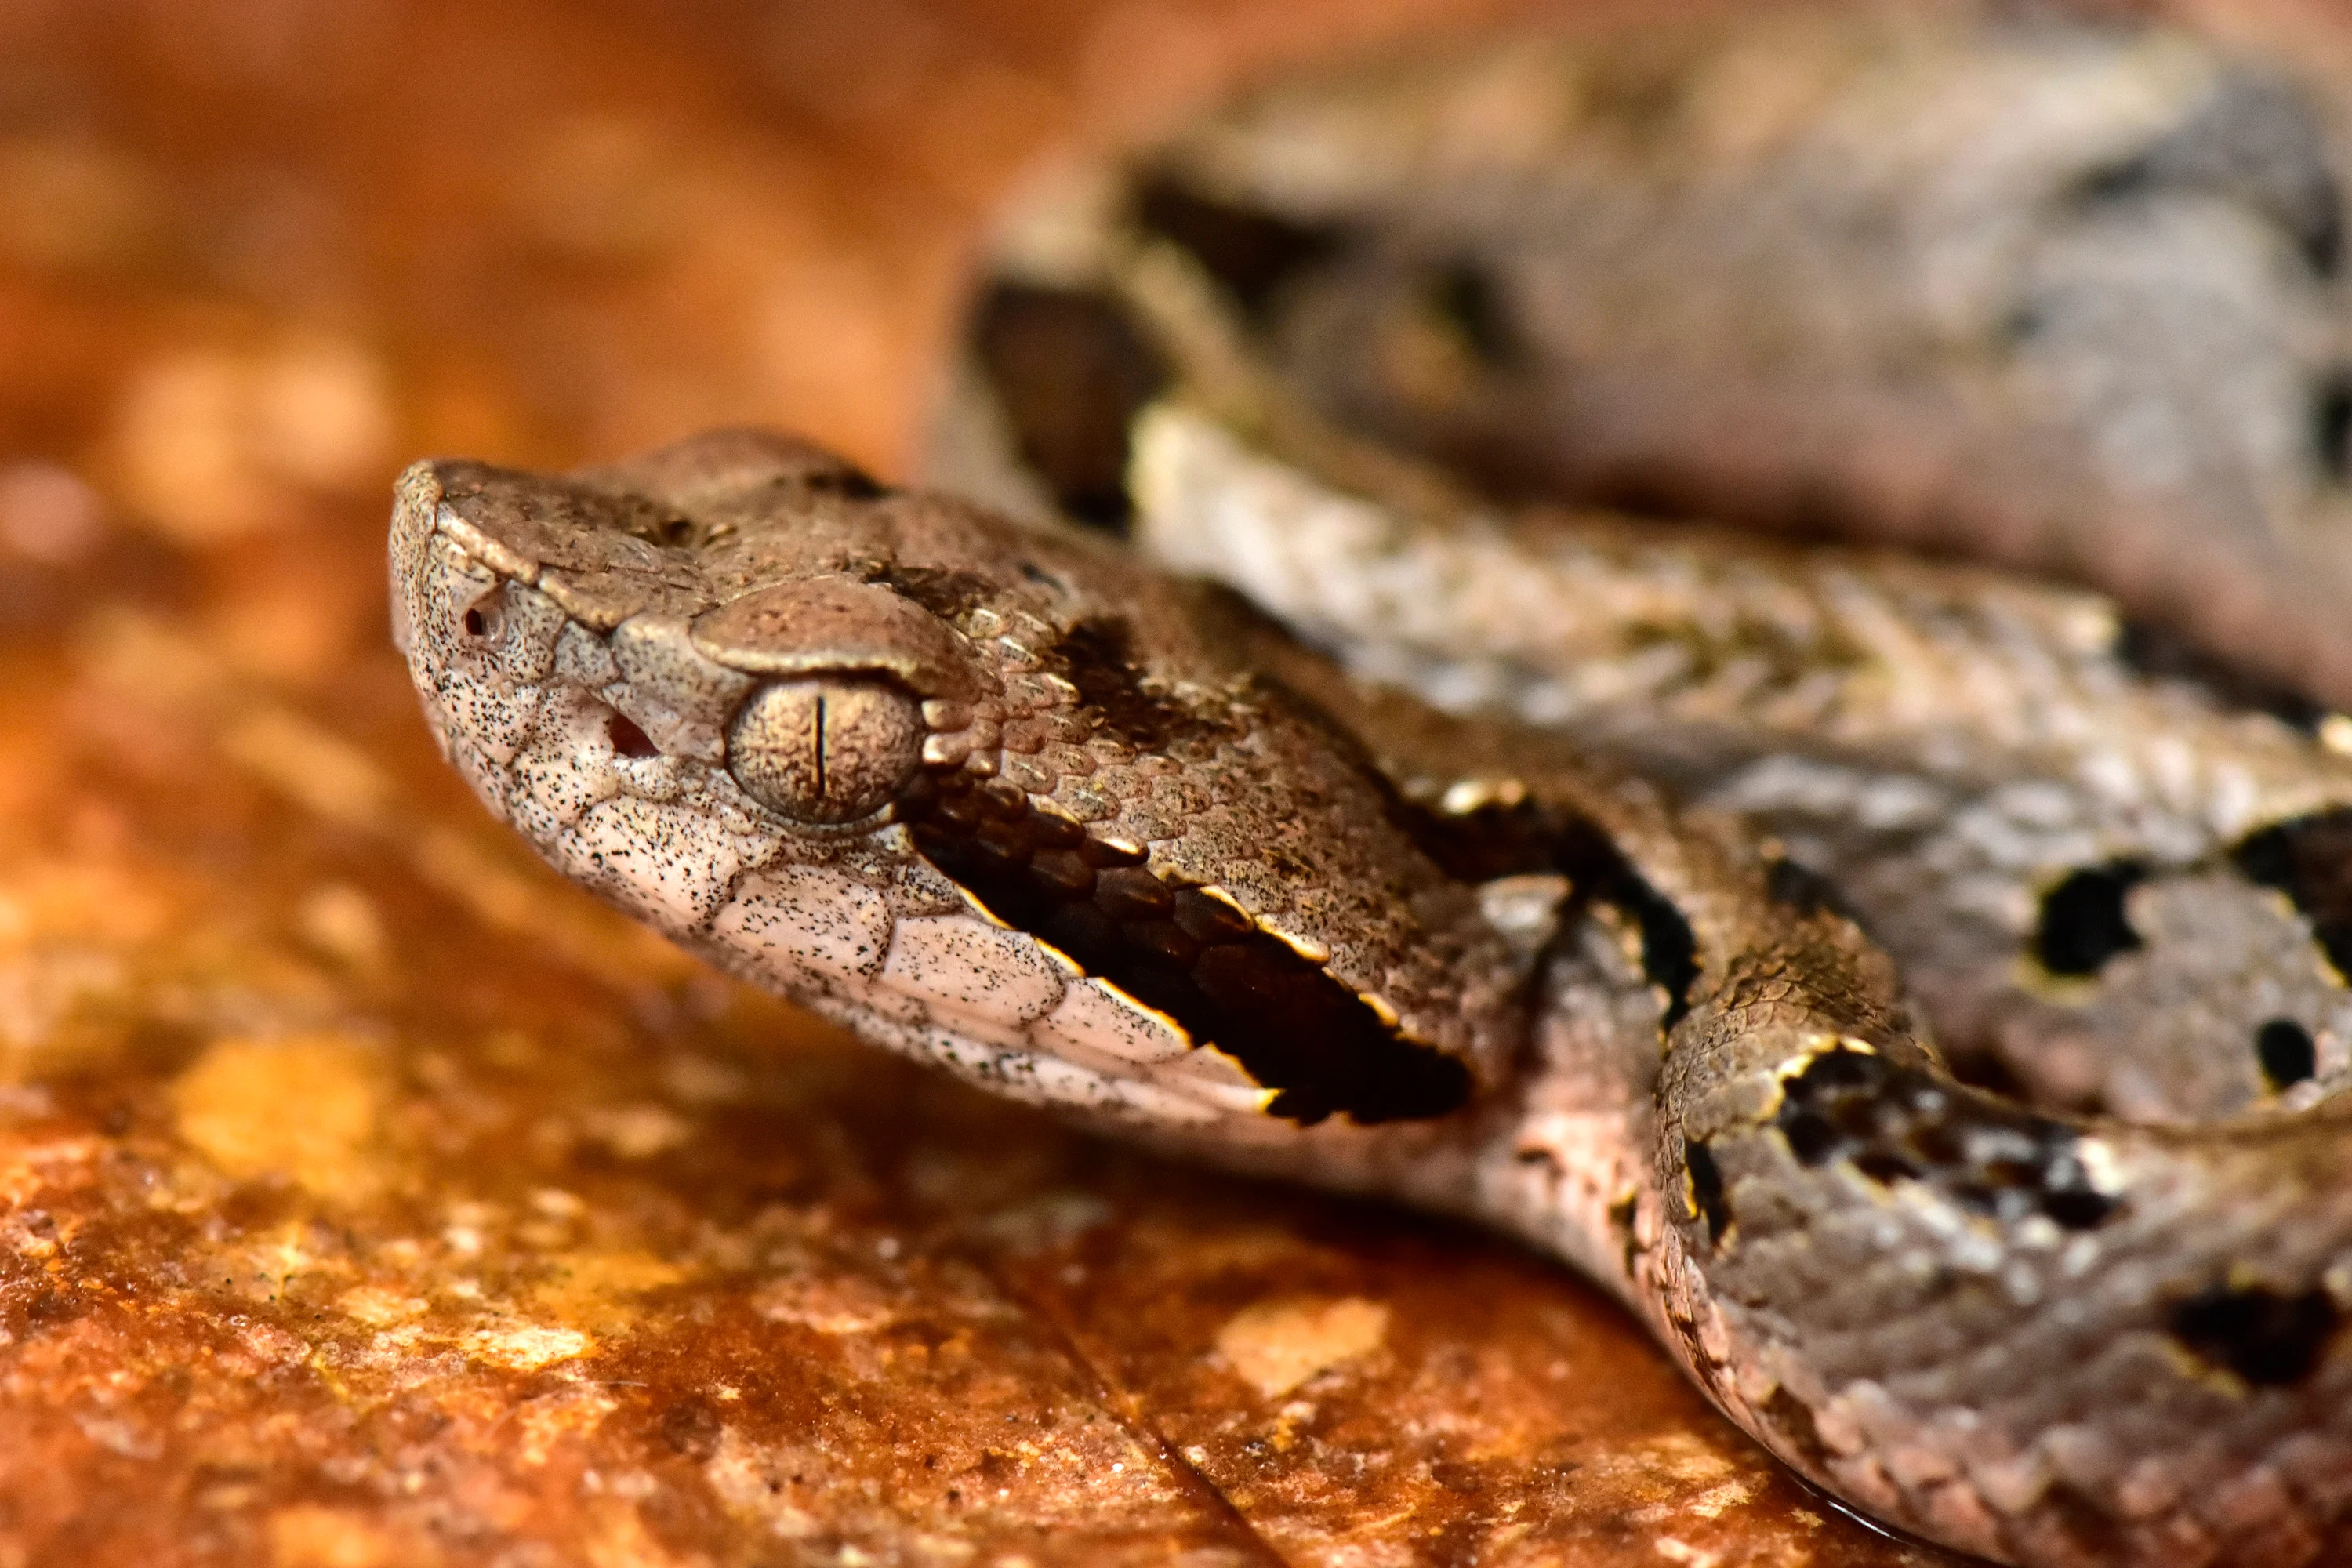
2268 1339
2159 654
2331 424
2286 1052
1792 1420
2310 860
1669 948
1097 656
1292 1027
1514 841
945 592
1251 251
1707 1187
1802 891
2117 181
2255 142
1466 297
2090 1529
1070 368
2083 923
642 517
1497 840
848 481
1897 1123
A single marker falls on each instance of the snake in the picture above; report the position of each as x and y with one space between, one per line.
1279 734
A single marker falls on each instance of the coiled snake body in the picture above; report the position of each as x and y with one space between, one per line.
1635 888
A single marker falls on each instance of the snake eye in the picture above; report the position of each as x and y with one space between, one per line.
824 750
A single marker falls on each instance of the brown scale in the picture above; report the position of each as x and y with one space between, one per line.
2310 860
1205 964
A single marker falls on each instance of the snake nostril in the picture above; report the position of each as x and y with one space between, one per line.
628 738
484 620
2286 1052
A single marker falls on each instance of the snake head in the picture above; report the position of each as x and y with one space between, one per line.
979 789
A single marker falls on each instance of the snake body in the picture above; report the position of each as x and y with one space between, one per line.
1929 1020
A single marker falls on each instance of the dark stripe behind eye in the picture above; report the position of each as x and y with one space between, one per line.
1290 1024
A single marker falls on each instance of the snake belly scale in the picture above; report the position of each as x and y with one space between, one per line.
1928 1019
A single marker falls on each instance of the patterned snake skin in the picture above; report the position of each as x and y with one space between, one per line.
1923 1005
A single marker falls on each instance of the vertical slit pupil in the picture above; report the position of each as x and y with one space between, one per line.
2285 1051
816 742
